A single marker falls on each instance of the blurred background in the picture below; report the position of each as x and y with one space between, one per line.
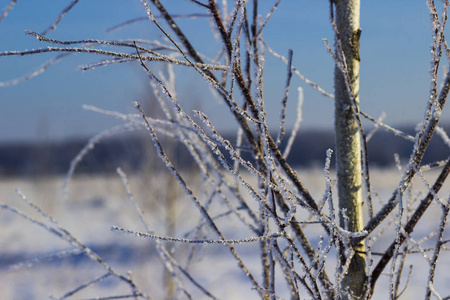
43 124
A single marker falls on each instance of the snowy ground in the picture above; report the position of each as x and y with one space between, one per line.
94 204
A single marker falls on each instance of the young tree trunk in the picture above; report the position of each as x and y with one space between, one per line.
348 140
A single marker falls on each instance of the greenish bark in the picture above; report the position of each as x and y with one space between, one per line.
348 140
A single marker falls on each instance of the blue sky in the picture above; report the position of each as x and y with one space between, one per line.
395 63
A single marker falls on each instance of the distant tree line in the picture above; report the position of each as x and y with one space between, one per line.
28 159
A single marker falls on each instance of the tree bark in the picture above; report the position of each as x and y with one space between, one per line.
348 139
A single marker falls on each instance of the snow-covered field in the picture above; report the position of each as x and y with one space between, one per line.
94 204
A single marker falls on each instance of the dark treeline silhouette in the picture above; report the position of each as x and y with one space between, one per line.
134 151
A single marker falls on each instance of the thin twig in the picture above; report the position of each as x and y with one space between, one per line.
60 17
7 9
191 241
